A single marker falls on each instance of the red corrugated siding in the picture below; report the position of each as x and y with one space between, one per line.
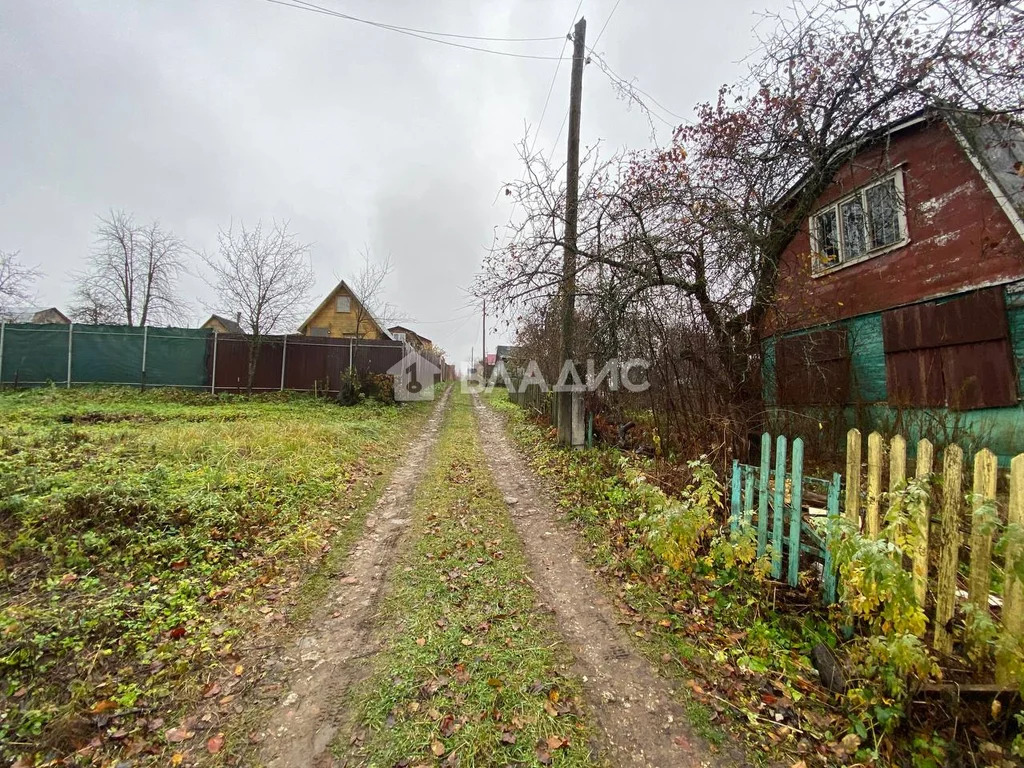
959 238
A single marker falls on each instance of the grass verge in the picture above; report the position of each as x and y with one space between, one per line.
142 535
473 672
745 668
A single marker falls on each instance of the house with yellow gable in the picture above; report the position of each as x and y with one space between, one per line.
341 315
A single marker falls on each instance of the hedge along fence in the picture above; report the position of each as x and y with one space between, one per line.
941 523
36 354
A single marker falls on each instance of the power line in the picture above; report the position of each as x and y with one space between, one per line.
408 31
599 34
445 34
612 74
543 112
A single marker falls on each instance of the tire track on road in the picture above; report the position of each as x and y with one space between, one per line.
636 709
316 673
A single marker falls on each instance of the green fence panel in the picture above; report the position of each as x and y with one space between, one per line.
34 354
177 357
107 354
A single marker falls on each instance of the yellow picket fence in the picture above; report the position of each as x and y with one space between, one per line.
942 529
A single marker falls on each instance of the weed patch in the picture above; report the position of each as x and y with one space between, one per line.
141 534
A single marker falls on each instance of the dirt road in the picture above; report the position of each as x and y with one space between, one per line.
631 714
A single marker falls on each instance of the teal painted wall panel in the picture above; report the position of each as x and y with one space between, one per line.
1015 314
867 358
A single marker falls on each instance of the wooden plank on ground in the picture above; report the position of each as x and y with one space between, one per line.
853 477
925 457
949 548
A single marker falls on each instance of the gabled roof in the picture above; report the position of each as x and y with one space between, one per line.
343 285
33 315
994 145
402 329
230 326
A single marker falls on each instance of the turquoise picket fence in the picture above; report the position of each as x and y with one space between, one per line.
795 512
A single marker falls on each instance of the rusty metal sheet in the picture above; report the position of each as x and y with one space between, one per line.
979 375
813 368
914 378
979 316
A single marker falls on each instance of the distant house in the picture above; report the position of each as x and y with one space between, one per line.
508 360
901 301
47 316
342 315
410 337
222 324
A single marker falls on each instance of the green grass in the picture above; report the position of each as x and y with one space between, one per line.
472 674
141 532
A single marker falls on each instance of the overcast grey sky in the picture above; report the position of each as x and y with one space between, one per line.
195 112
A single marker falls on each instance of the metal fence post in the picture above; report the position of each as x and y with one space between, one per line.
145 343
71 329
284 356
213 369
3 327
350 346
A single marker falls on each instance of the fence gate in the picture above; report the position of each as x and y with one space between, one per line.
774 501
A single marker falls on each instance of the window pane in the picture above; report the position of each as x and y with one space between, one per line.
828 238
883 213
343 304
853 229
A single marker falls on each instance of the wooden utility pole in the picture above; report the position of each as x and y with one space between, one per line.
572 183
485 337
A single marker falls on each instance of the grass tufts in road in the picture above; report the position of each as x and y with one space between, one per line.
472 673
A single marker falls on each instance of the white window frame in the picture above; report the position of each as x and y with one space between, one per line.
817 268
348 305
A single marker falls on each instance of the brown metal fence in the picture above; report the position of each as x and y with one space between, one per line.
305 363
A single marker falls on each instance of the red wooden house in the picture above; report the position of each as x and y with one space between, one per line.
901 300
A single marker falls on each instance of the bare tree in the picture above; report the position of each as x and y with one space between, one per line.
133 273
92 306
15 281
265 275
369 287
